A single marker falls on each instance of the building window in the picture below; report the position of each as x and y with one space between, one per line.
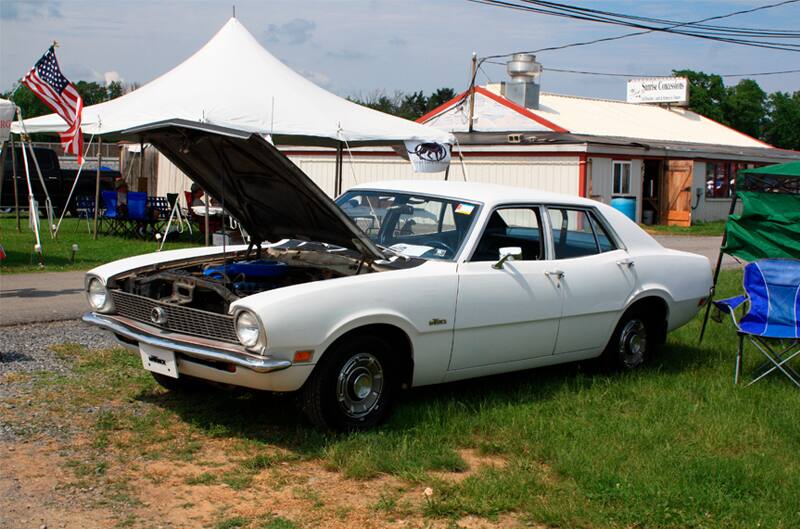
622 178
721 178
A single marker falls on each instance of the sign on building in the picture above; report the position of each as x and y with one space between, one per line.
659 90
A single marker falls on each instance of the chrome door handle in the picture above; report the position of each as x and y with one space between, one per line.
558 273
626 262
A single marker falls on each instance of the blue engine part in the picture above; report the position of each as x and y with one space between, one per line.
251 270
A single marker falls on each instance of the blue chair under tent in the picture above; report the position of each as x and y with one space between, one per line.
137 220
110 213
771 318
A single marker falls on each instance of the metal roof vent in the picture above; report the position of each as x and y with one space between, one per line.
524 86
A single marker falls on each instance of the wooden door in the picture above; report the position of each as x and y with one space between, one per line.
677 205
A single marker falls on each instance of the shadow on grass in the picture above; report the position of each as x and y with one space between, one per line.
277 419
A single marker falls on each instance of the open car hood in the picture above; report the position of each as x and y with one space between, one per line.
268 194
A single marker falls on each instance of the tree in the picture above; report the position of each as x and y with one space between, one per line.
745 107
408 106
413 105
439 97
783 126
91 92
706 94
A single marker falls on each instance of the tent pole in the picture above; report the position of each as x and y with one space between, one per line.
337 185
205 219
14 177
97 183
4 147
717 270
141 162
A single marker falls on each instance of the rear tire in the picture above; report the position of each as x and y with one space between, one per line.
352 386
631 344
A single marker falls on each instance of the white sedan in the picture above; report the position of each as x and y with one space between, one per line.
397 284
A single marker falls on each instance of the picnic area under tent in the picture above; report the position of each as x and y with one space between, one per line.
232 81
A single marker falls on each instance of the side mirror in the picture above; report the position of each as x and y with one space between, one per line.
507 254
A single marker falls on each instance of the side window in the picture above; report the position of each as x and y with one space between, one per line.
577 234
512 227
605 242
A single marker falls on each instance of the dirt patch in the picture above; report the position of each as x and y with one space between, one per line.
46 483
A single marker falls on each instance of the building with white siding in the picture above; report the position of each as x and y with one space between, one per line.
668 164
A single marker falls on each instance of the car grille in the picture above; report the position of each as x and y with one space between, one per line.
184 320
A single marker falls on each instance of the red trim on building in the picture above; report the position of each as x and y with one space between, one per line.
498 99
582 183
441 108
520 109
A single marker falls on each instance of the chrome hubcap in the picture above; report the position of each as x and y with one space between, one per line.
359 385
633 343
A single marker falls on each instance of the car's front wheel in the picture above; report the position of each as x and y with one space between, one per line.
352 386
628 347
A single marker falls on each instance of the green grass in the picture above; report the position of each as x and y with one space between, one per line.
277 522
673 445
235 522
57 253
713 228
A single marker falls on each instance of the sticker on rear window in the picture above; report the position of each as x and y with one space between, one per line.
465 209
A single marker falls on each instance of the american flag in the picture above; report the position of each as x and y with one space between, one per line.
49 84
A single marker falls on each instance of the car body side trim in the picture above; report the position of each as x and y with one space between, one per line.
259 365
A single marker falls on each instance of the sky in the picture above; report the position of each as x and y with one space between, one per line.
363 47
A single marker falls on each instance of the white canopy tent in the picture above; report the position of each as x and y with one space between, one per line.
7 109
234 82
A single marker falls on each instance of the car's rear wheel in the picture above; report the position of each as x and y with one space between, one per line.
352 386
630 343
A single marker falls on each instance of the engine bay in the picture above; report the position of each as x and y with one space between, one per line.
214 285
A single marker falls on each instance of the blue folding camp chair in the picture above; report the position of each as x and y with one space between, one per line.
111 215
137 219
772 291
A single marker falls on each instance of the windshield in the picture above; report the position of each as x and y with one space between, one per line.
413 225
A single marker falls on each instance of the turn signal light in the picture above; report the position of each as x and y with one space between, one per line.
303 356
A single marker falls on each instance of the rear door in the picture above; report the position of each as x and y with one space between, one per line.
596 276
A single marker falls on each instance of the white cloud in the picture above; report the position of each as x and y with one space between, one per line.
296 31
112 77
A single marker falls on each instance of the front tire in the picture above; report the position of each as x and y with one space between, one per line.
629 346
352 386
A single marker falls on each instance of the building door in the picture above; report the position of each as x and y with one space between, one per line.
677 208
651 192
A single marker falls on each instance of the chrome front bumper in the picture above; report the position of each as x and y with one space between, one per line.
253 363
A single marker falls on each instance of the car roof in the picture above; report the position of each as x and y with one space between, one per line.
489 194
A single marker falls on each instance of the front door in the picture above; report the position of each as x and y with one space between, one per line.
511 313
678 203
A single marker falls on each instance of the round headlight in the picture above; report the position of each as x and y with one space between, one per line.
247 329
97 294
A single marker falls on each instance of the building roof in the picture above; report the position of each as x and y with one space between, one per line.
585 116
